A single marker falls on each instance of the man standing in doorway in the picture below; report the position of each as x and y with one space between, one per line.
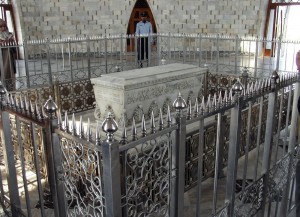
143 31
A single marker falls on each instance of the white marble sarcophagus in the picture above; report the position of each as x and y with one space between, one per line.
136 92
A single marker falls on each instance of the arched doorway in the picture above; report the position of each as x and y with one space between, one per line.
139 7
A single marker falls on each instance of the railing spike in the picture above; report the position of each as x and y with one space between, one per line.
73 125
196 108
202 107
189 110
230 96
124 135
31 110
80 128
26 105
97 134
88 131
67 127
220 101
152 123
12 101
144 129
134 133
21 102
226 98
169 119
215 101
161 120
59 119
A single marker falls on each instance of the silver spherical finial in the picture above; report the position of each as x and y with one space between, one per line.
50 107
274 75
109 126
117 68
237 89
179 103
2 89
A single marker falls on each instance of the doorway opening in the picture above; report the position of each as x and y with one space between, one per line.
139 7
282 21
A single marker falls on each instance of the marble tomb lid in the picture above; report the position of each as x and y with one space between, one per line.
148 76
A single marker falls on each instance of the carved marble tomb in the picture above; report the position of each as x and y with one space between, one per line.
135 92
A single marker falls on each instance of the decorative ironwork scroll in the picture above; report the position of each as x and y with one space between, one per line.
147 178
250 201
82 177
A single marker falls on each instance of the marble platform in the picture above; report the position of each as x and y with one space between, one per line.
130 94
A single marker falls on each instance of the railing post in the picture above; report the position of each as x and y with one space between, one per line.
234 145
9 156
272 98
52 153
105 51
111 169
178 161
291 150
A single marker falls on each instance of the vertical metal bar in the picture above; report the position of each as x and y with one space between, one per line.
149 48
2 68
88 51
184 48
200 49
70 61
233 154
291 150
276 142
26 63
236 54
49 61
136 50
111 178
158 49
121 52
169 46
278 53
58 164
268 146
200 166
9 158
294 118
249 121
286 130
178 169
261 103
218 53
37 168
20 142
269 132
50 153
217 164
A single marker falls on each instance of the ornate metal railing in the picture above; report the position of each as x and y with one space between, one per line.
72 59
144 173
